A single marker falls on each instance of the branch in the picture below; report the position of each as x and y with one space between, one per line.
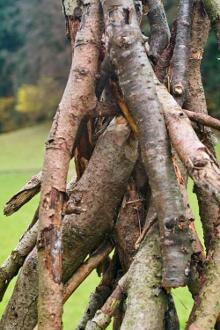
103 316
85 269
200 163
213 9
59 147
159 28
136 81
163 62
181 51
30 189
111 165
11 266
144 287
102 292
206 309
203 118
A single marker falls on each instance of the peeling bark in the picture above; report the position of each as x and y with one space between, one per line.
59 146
128 54
98 194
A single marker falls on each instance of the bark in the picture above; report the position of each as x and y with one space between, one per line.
146 298
101 293
129 224
213 9
103 316
97 194
207 305
163 63
30 189
181 51
11 266
199 162
204 119
59 146
209 209
128 54
206 308
86 268
159 28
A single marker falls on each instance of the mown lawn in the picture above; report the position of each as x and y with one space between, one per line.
21 157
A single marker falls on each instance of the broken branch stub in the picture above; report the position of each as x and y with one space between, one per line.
127 52
30 189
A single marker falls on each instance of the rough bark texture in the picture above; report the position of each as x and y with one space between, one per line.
206 308
59 146
128 54
98 195
146 298
208 208
181 51
159 28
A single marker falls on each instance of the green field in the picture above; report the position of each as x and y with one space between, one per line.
21 157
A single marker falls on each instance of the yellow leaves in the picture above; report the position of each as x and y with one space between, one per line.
41 98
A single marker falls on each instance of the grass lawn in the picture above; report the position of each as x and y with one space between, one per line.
21 157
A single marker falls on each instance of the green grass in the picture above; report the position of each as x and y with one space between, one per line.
21 157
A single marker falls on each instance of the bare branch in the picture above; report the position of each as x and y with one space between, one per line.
200 163
103 316
59 146
159 28
86 268
180 57
203 119
30 189
136 82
